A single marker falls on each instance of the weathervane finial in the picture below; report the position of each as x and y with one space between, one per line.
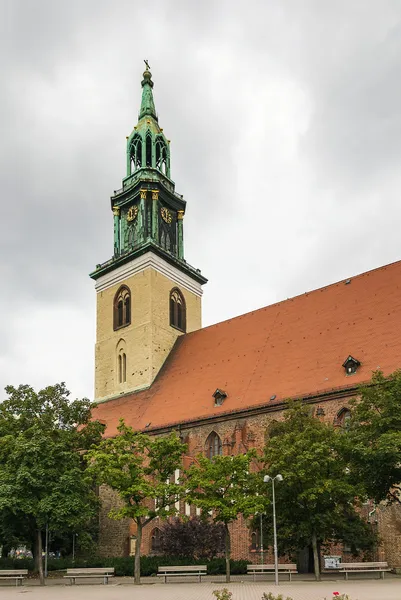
147 65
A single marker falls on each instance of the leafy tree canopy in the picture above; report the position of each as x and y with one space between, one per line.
316 501
140 469
42 474
225 488
373 443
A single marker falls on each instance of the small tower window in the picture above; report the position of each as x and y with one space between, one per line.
161 154
122 367
122 308
178 317
136 152
219 397
127 308
148 149
351 365
214 446
120 313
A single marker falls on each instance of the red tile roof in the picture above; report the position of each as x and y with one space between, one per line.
290 349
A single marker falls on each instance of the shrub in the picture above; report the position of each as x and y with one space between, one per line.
195 537
271 596
223 594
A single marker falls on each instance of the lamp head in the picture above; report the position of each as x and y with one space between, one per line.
266 479
278 477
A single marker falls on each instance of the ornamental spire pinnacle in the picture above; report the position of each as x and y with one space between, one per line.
147 104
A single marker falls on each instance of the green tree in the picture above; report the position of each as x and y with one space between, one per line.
224 488
373 443
139 468
316 501
43 477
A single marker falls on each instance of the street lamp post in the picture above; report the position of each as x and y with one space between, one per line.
266 479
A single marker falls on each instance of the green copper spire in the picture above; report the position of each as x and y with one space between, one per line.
148 214
147 104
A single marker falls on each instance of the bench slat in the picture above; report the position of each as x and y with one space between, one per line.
289 567
94 570
362 570
183 569
14 572
364 567
87 576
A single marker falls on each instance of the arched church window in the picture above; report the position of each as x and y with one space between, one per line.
178 311
214 446
127 308
255 540
122 308
165 239
122 367
136 152
131 236
156 540
148 149
161 155
343 419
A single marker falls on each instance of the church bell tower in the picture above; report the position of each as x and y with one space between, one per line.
147 294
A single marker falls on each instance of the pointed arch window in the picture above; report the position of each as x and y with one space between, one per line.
165 239
255 540
161 155
149 149
343 419
214 446
122 366
136 152
178 312
122 308
155 540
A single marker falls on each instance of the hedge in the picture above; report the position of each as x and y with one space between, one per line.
124 566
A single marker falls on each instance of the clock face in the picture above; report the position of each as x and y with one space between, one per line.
132 213
166 215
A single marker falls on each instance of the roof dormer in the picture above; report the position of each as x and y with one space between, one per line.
219 397
351 365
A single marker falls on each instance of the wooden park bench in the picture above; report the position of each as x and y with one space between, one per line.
17 574
182 571
256 569
363 567
91 573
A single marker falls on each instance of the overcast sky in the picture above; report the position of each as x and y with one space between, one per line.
285 125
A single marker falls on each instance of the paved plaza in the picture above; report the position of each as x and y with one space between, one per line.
123 589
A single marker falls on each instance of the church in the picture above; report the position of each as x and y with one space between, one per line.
220 386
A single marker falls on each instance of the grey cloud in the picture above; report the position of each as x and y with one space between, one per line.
284 120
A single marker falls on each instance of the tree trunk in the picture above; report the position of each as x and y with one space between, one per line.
227 552
137 567
38 557
316 562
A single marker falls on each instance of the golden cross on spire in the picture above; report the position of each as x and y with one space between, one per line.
147 65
